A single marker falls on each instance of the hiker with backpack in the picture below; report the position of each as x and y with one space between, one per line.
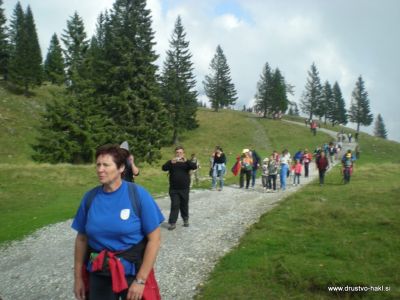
347 163
246 163
272 172
322 166
131 170
256 163
118 225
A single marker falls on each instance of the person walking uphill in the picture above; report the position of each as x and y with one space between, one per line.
322 166
179 185
118 225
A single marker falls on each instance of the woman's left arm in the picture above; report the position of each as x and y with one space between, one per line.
149 258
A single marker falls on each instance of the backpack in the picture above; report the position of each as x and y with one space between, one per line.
133 197
347 162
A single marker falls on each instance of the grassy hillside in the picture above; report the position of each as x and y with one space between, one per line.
331 236
322 237
33 195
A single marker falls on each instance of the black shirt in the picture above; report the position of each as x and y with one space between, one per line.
179 177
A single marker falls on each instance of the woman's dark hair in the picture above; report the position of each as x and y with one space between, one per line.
118 154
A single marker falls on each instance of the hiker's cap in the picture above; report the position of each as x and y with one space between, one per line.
245 150
124 145
266 159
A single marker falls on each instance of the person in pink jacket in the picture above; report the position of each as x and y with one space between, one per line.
297 172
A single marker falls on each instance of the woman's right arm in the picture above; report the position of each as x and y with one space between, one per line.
81 245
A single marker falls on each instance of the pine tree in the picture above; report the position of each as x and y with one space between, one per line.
76 45
326 104
69 131
218 85
4 46
279 94
337 113
97 64
296 110
359 109
313 93
25 67
131 98
379 128
54 65
263 97
178 83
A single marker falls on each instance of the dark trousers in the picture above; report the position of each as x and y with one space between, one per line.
321 176
272 182
306 168
346 175
179 202
246 173
100 288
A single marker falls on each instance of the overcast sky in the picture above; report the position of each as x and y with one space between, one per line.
345 39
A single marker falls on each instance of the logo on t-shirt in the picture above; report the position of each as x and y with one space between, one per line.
125 213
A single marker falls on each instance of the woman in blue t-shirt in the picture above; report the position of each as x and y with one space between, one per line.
118 233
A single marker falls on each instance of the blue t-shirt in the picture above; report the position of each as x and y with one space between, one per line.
111 222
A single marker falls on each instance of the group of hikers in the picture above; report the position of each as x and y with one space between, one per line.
280 167
118 222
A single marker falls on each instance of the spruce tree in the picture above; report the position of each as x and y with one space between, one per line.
279 94
218 85
379 128
76 45
35 54
4 45
313 93
25 68
359 109
54 64
178 83
131 98
263 97
69 131
337 113
326 105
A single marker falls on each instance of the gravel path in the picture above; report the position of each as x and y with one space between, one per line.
40 266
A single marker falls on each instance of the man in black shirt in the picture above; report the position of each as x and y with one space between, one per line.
179 183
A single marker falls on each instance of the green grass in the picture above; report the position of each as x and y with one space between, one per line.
335 235
34 195
332 236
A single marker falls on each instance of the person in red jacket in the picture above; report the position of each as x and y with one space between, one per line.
322 166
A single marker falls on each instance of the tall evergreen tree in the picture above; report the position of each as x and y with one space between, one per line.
4 46
313 93
69 131
131 98
97 64
326 104
218 85
25 68
379 128
54 65
178 83
360 112
279 93
263 97
76 45
337 113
